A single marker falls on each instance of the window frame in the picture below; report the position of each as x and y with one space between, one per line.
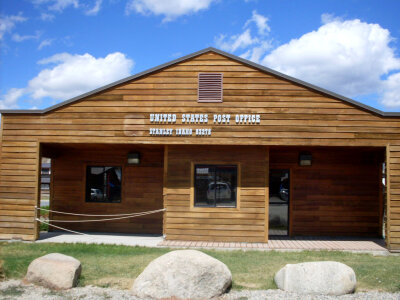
214 208
104 165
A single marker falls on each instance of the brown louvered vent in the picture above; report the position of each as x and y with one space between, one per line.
210 87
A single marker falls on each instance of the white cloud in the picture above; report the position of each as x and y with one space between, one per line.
9 100
261 23
47 17
254 46
77 74
45 43
91 8
391 91
348 57
256 53
170 9
328 18
20 38
70 75
236 42
58 5
95 9
7 23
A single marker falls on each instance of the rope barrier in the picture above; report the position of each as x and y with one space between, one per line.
125 216
69 230
110 219
86 215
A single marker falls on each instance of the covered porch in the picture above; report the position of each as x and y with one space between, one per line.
275 202
96 181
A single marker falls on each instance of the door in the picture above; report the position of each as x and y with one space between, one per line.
279 196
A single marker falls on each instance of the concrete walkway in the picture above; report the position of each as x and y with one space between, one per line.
275 243
145 240
293 244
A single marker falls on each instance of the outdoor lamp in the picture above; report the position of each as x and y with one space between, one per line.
305 159
133 158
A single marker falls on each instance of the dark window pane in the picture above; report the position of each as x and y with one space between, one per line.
226 186
103 184
279 202
204 179
215 185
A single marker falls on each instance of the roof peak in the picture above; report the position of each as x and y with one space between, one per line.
192 55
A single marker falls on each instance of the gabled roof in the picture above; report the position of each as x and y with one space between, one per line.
187 57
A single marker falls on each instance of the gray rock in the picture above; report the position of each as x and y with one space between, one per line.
324 277
54 271
184 274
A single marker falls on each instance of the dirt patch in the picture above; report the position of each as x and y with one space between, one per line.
249 285
2 273
114 282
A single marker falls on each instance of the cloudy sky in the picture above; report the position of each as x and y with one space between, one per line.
53 50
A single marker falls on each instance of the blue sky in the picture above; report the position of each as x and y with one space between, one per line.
53 50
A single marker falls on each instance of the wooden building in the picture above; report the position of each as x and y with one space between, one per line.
232 150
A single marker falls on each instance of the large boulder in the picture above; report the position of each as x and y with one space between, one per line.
54 271
323 277
184 274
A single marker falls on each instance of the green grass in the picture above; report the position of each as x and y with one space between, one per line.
118 266
44 214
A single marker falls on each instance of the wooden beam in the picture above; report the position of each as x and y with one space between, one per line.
37 189
388 196
266 228
165 187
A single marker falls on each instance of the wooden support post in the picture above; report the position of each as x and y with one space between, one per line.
165 189
266 225
37 190
388 197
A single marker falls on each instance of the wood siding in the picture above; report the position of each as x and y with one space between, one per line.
339 194
393 202
141 188
290 115
245 223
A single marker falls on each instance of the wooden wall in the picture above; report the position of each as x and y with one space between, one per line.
141 187
19 189
393 188
246 223
291 115
339 195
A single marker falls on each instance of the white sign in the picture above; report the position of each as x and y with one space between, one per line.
202 119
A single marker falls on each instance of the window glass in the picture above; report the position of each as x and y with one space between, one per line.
279 189
215 186
103 184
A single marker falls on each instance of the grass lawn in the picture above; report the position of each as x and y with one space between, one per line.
45 215
118 266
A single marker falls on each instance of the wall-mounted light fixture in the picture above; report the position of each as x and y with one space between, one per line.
305 159
133 158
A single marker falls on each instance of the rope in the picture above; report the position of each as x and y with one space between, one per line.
110 219
86 215
37 219
125 216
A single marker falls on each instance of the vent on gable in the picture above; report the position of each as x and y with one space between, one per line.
210 87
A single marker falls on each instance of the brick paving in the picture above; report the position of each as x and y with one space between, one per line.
285 243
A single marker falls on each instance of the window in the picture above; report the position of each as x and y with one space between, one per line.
103 184
210 87
215 185
45 186
279 197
